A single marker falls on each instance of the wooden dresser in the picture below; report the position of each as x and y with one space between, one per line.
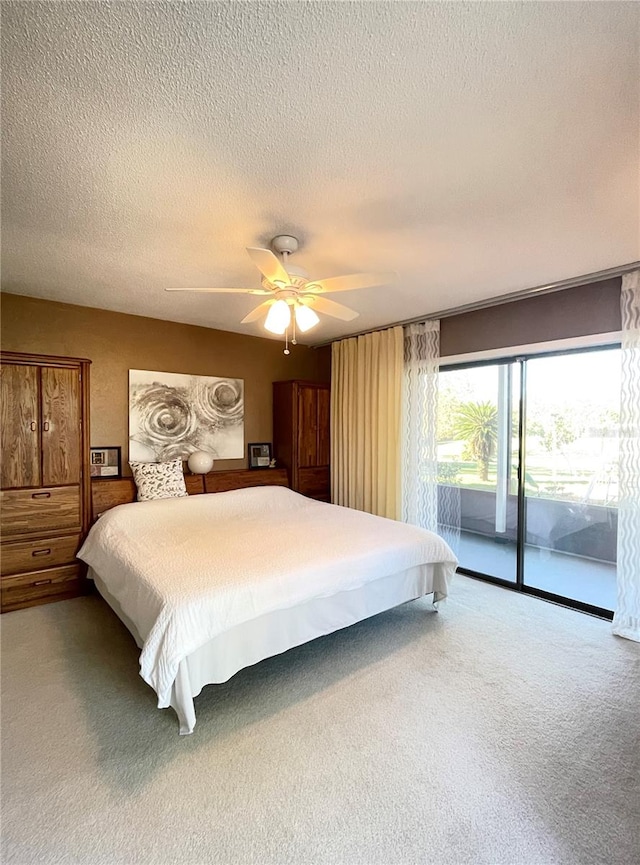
301 435
45 495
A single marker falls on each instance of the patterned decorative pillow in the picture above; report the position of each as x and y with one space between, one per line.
159 480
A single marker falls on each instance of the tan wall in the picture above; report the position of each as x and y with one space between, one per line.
116 343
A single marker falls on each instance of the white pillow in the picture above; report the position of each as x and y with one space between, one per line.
159 480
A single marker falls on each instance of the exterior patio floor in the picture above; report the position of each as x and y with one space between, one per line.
570 576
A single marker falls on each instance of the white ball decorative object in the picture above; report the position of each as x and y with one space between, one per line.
200 462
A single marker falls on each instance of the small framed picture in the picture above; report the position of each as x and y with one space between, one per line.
105 462
260 455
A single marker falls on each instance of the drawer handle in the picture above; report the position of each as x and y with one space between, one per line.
33 425
40 495
46 426
40 552
41 582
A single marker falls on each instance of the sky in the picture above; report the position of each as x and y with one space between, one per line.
565 380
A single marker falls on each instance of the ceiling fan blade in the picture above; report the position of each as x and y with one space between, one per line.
329 307
258 312
268 265
226 290
350 282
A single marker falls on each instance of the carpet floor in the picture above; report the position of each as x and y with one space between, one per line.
501 729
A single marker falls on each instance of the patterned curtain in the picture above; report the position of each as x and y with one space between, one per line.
419 410
626 620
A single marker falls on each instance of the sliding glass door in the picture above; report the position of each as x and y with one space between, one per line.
571 476
478 421
527 459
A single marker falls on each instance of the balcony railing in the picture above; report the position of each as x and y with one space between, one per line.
585 530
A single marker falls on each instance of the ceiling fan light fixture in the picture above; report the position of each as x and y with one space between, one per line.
278 317
305 318
288 287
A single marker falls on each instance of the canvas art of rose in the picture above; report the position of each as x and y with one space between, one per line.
172 415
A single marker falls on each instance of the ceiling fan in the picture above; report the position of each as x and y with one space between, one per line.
289 289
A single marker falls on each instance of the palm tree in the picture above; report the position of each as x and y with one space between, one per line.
477 424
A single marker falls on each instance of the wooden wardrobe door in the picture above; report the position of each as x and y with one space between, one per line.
61 426
323 426
20 426
307 426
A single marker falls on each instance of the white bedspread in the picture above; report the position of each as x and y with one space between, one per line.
186 570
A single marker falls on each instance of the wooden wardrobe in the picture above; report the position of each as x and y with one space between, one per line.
301 435
45 495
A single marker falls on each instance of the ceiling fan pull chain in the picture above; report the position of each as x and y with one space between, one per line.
294 341
286 342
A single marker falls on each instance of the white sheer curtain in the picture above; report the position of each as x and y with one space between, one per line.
366 407
419 405
626 619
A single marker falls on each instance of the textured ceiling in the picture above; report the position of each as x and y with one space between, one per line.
476 149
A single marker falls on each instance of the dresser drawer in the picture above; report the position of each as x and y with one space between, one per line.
40 587
32 512
26 555
314 482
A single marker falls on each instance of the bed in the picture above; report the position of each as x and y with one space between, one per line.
210 584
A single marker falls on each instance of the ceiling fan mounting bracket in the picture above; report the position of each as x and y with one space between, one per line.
284 244
295 284
288 294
